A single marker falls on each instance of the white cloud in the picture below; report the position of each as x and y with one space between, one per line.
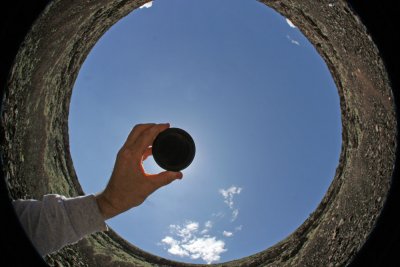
239 228
227 233
235 214
169 240
186 231
292 40
295 42
228 195
290 23
189 241
219 215
147 5
206 248
174 247
196 241
207 226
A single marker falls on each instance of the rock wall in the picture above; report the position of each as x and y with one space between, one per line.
35 145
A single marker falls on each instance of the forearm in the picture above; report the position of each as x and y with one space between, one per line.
57 221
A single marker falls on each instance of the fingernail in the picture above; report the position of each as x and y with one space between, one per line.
179 175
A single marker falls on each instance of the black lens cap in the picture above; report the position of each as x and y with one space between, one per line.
173 149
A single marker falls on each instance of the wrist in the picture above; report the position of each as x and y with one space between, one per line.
106 208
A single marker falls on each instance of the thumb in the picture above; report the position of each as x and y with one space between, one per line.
166 177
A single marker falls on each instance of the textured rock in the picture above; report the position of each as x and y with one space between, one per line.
36 148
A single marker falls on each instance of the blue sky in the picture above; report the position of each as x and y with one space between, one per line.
254 94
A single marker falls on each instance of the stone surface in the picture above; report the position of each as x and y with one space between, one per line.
36 148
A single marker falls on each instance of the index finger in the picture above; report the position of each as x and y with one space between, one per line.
136 131
146 138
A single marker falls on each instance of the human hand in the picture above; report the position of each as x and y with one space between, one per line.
129 184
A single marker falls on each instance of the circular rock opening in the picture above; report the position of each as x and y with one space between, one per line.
260 102
36 131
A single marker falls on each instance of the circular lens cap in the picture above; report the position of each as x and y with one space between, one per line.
173 149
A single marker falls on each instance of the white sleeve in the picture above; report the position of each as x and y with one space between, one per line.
57 221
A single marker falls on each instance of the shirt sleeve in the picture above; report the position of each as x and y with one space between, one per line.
57 221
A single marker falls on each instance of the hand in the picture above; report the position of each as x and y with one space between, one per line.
129 184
